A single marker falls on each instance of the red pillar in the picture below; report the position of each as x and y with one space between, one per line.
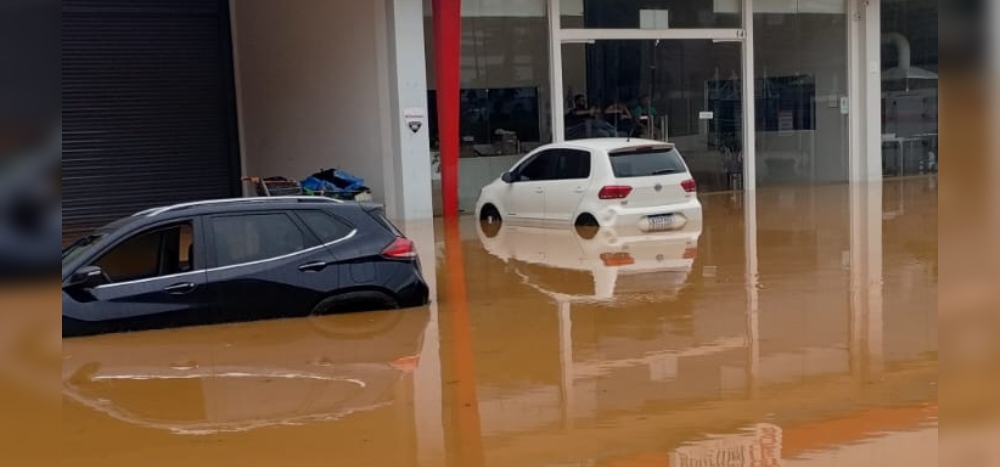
447 59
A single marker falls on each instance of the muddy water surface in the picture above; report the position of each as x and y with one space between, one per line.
795 327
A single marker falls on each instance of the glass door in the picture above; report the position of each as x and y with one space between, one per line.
684 91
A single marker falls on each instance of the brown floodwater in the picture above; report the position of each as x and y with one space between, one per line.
796 327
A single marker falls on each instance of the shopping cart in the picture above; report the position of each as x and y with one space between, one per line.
281 186
275 186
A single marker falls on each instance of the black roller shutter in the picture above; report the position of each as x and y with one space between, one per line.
148 107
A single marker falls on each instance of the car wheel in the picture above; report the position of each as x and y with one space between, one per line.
586 226
365 300
355 325
490 220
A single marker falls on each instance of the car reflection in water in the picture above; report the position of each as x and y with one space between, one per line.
216 379
587 264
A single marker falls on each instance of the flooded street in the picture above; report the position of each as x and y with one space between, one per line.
795 327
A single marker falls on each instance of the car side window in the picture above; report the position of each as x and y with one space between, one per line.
327 227
571 164
159 252
253 237
538 168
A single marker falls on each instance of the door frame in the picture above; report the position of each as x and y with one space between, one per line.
558 36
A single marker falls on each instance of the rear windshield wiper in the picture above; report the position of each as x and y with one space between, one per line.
666 171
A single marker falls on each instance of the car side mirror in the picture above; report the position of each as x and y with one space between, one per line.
86 277
507 177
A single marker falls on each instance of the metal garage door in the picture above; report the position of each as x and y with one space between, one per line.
148 107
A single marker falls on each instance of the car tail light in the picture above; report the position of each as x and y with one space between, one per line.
615 192
691 252
689 185
617 259
401 248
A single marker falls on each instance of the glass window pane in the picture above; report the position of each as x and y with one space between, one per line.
572 165
158 253
538 168
687 92
246 238
909 87
326 227
801 97
650 14
646 163
504 77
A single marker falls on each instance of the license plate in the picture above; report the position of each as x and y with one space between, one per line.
662 222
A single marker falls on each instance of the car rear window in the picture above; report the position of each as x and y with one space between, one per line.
646 162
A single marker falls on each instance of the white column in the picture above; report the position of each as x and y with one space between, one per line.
855 90
864 67
872 14
409 167
749 101
556 72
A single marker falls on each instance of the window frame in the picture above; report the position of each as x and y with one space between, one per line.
197 238
312 243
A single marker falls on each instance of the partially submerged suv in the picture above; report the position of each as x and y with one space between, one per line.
239 259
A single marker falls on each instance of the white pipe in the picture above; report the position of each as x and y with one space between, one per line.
902 47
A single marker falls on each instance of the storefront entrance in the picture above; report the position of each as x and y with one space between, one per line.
687 92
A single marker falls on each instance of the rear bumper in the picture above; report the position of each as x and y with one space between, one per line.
413 292
633 219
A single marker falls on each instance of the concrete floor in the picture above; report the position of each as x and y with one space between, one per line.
799 327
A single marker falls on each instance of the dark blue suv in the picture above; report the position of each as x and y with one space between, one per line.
238 259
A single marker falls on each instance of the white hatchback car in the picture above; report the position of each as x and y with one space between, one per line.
597 182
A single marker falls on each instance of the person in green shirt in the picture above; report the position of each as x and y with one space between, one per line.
645 115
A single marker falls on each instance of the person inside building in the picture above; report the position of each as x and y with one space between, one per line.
645 115
583 121
619 116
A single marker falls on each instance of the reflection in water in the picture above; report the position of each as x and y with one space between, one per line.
797 328
238 378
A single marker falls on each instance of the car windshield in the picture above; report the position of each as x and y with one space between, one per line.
78 247
646 162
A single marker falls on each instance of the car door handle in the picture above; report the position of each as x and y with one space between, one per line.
181 288
539 190
579 190
313 266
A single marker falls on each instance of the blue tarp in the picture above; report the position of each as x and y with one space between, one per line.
333 181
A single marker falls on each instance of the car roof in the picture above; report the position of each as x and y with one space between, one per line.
612 144
212 206
225 205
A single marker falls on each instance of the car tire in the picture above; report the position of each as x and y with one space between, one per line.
490 220
586 226
357 325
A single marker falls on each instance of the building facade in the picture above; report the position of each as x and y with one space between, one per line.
428 100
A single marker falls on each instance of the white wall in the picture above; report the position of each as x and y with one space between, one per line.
315 92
